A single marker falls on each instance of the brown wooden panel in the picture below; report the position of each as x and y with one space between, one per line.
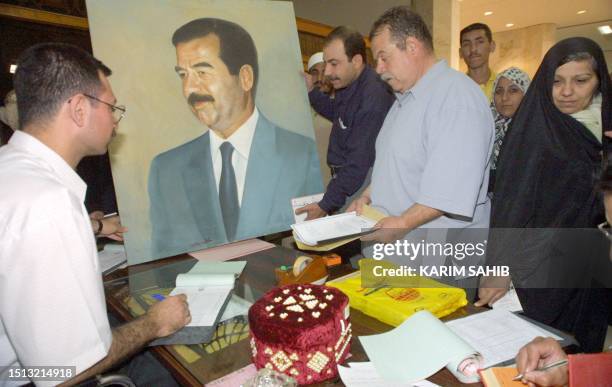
41 16
17 35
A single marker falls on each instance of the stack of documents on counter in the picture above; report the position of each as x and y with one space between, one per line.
332 228
423 345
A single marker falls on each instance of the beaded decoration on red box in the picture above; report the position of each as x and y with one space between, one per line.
301 330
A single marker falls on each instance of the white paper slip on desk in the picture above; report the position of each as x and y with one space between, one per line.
364 374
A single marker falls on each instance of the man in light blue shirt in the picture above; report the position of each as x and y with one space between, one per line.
433 150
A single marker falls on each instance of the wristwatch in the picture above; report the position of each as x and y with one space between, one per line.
100 227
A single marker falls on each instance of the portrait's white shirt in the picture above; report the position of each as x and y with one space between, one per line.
241 140
52 304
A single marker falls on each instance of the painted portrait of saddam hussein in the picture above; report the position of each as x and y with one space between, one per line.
235 176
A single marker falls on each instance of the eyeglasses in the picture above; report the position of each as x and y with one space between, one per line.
605 229
118 111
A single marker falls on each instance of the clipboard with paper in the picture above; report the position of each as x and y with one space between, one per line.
344 228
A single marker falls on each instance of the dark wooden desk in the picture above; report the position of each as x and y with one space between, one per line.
193 365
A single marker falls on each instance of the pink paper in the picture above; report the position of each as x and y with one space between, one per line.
231 250
236 378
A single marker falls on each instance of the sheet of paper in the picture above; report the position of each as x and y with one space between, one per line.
111 257
204 303
496 334
365 375
509 302
205 280
235 378
237 306
329 227
231 250
234 267
418 348
301 202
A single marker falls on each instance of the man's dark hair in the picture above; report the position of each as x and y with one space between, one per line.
351 39
476 27
403 23
237 48
48 74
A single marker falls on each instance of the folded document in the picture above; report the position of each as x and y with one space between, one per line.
207 286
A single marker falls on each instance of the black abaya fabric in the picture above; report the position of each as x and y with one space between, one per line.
547 174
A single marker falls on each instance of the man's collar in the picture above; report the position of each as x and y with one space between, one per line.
491 78
424 83
241 139
31 145
348 91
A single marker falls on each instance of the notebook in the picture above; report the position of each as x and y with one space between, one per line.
500 377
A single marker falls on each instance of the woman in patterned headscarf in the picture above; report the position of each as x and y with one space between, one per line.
509 89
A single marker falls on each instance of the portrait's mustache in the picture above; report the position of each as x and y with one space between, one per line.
331 79
195 98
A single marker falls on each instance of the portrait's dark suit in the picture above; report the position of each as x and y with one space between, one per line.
185 212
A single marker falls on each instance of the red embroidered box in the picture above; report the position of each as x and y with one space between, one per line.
301 330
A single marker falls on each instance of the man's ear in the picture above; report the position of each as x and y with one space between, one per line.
492 46
247 77
461 53
79 108
357 60
411 44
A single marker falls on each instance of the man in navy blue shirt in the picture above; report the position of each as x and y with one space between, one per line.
358 108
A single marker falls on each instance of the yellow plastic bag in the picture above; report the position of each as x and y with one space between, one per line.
393 305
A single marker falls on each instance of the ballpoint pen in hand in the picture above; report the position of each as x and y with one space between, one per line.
546 367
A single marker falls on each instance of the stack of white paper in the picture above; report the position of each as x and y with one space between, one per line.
333 227
497 334
365 375
111 257
301 202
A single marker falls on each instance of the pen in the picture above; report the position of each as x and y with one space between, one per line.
158 297
374 290
546 367
109 215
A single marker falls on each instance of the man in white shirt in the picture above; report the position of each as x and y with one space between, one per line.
198 199
52 306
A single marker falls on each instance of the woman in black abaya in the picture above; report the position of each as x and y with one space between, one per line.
546 184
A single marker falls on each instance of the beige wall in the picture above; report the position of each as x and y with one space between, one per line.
445 39
523 48
359 14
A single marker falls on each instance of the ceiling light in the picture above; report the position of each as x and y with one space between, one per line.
13 68
581 11
605 30
510 25
488 13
